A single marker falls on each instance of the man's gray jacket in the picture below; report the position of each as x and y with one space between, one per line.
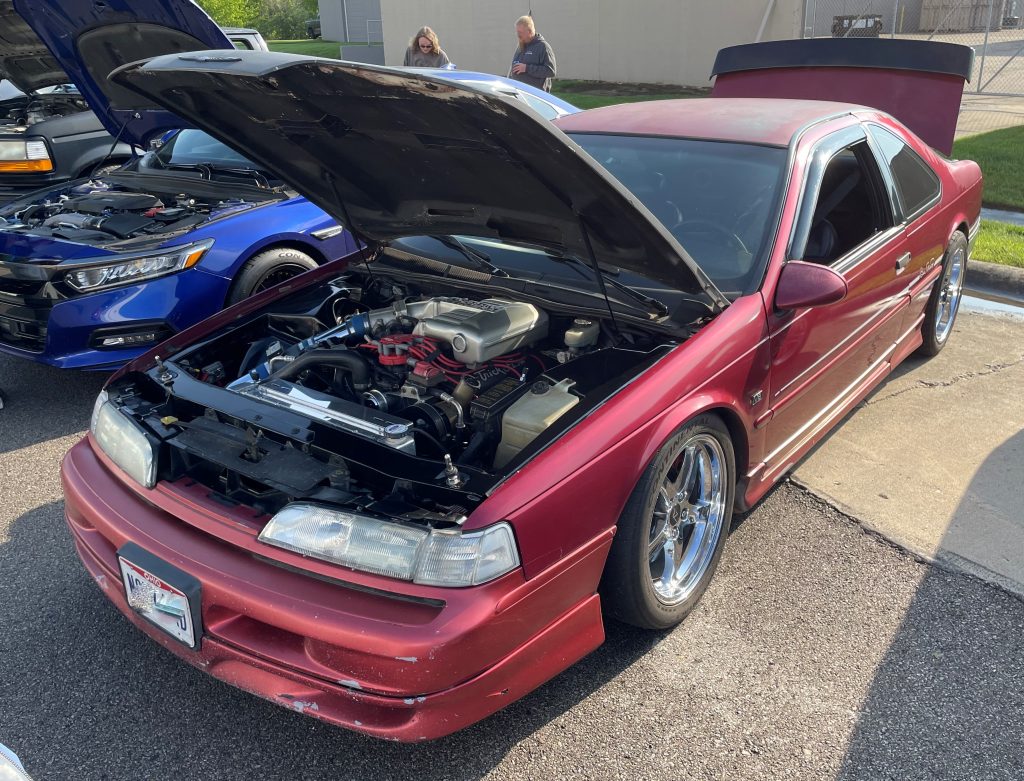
539 58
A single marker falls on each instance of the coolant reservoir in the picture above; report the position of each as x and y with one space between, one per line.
531 415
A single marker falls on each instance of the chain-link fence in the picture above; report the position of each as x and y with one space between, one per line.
993 28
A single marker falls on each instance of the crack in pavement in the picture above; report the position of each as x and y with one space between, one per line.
993 368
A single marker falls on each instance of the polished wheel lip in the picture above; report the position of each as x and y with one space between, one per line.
687 517
277 275
950 291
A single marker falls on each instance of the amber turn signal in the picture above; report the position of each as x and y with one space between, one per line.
40 166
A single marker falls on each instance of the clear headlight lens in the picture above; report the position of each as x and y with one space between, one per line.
125 443
25 155
451 558
437 558
137 269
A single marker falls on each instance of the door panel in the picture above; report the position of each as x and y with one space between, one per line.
820 356
916 191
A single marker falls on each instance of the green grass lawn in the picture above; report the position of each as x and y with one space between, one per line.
312 48
1001 157
594 94
1000 243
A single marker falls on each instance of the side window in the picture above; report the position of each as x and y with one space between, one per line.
850 207
916 182
241 43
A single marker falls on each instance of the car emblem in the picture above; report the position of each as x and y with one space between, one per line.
210 58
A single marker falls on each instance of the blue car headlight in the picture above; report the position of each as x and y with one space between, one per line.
138 268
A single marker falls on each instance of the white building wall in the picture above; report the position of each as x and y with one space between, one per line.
336 15
332 20
659 41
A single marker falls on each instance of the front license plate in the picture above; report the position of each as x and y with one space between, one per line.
161 593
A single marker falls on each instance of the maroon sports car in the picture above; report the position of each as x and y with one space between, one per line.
402 490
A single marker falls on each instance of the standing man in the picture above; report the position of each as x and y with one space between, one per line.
534 61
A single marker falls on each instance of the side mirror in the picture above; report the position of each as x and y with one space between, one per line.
803 285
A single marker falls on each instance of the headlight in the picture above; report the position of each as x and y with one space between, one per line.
431 557
122 440
25 156
124 271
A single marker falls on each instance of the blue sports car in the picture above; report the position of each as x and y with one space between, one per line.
94 272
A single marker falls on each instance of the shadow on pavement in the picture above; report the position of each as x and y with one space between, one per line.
942 704
43 403
115 705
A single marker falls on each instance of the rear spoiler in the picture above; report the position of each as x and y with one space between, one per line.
918 82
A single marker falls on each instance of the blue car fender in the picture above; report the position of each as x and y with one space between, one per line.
293 223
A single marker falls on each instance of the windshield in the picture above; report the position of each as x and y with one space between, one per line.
190 147
717 198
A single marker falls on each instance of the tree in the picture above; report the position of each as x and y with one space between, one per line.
232 13
276 19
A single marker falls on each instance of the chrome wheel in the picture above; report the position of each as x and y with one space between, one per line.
687 519
950 288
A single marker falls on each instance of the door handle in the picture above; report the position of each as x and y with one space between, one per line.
902 262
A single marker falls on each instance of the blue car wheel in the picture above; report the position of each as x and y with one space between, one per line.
269 269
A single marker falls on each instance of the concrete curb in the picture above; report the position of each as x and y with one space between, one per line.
996 279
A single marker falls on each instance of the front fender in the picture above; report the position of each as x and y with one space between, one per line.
294 221
91 155
577 488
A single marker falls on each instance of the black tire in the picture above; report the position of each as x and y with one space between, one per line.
268 269
628 587
934 335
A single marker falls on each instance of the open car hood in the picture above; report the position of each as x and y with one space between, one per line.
920 83
46 42
391 153
24 59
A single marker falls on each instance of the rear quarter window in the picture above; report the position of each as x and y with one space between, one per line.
917 183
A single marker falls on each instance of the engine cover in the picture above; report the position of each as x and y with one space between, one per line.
479 331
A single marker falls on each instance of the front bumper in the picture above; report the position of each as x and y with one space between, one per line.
37 324
400 667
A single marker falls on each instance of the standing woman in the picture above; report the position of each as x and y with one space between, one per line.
424 51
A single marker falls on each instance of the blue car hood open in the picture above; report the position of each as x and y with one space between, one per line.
45 42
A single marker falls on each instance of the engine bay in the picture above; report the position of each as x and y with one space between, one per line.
97 212
373 390
20 113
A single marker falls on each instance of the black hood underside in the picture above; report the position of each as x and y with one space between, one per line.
390 153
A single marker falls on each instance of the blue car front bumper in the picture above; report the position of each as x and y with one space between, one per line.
68 332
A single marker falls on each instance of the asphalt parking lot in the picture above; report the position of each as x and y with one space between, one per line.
820 651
